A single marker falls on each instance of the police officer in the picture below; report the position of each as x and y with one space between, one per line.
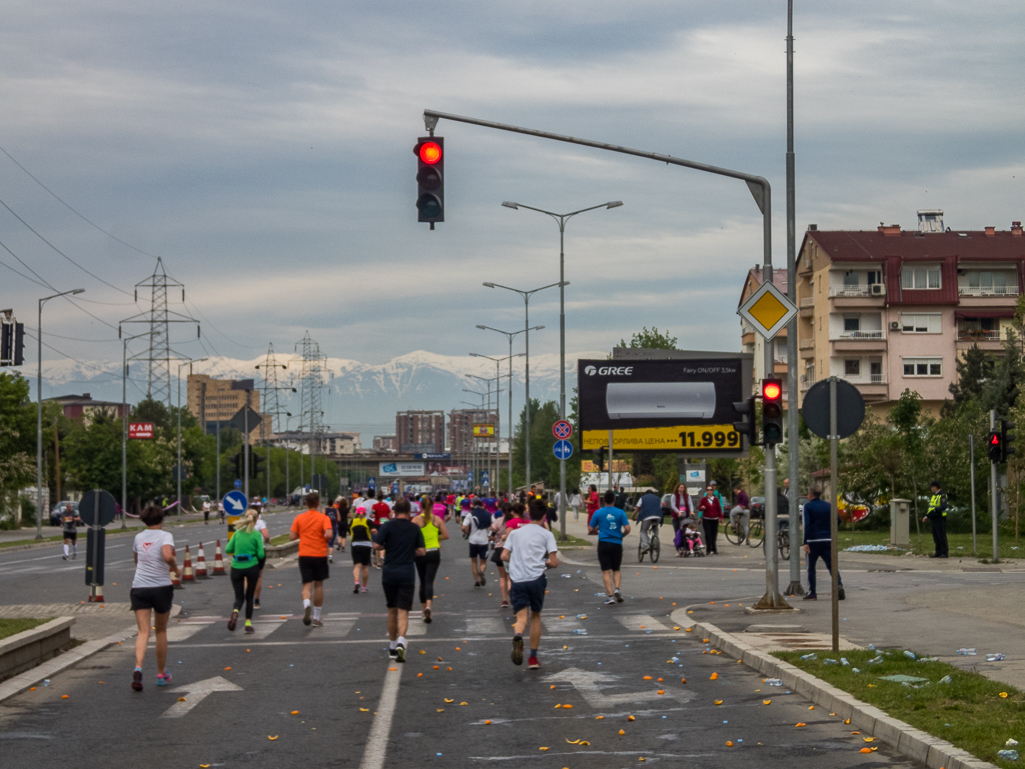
937 516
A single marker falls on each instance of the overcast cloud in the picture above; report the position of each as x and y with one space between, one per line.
264 150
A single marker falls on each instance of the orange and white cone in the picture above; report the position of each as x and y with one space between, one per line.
218 561
187 574
96 594
201 563
176 583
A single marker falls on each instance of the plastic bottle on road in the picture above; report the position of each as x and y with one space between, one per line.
579 631
774 681
1009 755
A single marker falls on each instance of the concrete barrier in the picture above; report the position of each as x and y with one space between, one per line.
24 651
280 551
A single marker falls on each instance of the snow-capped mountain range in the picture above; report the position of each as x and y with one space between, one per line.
359 397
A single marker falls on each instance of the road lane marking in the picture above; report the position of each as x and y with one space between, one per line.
181 632
455 639
377 739
588 683
487 626
197 692
640 622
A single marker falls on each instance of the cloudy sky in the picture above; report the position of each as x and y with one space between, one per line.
264 151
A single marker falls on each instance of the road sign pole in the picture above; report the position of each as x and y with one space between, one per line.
833 528
245 458
993 502
971 467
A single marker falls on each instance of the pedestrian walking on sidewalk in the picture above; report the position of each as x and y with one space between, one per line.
711 514
575 502
152 591
434 530
611 525
246 549
313 530
529 551
817 541
937 516
404 541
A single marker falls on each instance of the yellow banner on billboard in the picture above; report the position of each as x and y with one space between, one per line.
481 430
703 438
618 466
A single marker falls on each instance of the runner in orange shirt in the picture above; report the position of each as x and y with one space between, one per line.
313 530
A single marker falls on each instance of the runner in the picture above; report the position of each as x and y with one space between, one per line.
593 501
206 511
261 526
529 550
69 522
220 512
342 505
246 549
381 512
611 525
152 591
404 541
432 524
500 529
476 523
362 544
313 530
332 515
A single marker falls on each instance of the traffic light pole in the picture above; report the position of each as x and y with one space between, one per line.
993 502
245 450
762 193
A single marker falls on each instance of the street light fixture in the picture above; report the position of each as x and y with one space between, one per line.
561 220
498 389
39 410
498 438
526 328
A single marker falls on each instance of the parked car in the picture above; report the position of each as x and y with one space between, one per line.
58 509
757 507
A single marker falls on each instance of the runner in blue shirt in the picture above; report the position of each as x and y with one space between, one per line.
611 525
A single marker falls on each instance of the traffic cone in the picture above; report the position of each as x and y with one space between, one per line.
187 575
201 563
96 594
176 583
218 561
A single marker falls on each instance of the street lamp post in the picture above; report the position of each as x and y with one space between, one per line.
178 467
526 328
561 220
474 469
39 410
498 439
498 389
512 429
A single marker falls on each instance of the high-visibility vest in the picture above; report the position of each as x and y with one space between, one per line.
935 501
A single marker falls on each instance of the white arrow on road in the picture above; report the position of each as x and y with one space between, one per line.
198 692
587 683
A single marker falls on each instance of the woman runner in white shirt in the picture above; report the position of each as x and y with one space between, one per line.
152 591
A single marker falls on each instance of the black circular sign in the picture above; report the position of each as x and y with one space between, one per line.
97 508
850 408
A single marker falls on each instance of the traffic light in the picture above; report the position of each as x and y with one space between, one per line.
237 461
996 446
255 461
430 179
746 427
772 411
1006 439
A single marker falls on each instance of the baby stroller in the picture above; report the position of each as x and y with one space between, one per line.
688 540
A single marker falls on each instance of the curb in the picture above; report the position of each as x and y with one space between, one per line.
19 683
914 743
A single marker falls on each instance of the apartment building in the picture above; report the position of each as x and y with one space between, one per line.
386 443
420 432
753 342
889 309
460 429
213 401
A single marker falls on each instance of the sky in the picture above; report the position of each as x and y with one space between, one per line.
264 151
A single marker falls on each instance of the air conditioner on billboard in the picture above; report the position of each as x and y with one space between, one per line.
660 400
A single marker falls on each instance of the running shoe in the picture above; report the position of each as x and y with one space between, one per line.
533 664
233 620
393 654
483 579
476 585
618 596
517 652
308 615
256 604
74 556
355 588
163 679
505 604
318 623
331 558
137 680
400 653
609 600
249 627
64 558
364 589
427 616
840 594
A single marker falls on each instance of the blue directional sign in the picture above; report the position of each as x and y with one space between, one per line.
235 503
562 449
371 482
238 484
485 478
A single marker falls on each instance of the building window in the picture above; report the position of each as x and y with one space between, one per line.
919 278
874 277
992 283
852 367
923 367
920 323
852 323
851 280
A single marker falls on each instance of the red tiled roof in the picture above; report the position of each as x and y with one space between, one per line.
872 245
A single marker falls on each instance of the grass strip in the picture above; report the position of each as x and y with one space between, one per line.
9 627
571 541
971 712
281 539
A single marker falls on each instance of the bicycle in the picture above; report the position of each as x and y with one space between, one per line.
756 533
654 548
756 537
735 534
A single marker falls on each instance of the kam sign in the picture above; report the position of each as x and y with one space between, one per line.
401 469
140 429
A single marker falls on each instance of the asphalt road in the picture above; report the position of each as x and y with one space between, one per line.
358 709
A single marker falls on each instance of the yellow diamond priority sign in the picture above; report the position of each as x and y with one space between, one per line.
768 309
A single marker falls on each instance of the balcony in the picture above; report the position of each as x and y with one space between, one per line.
988 291
856 341
870 295
986 339
856 335
806 306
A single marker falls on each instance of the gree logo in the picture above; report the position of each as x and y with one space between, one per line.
609 370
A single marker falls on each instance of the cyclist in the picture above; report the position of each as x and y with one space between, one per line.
742 511
649 515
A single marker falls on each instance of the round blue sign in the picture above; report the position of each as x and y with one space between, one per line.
235 503
563 449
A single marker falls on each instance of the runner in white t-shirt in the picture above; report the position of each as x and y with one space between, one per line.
476 526
152 591
261 526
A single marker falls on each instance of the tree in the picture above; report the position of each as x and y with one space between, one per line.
973 371
17 442
651 340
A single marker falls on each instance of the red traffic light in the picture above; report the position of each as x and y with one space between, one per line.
994 439
771 390
430 153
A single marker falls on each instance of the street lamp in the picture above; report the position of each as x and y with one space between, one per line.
526 328
178 467
473 443
561 220
510 335
498 439
498 389
39 410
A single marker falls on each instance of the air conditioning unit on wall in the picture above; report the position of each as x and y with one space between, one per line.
894 325
877 289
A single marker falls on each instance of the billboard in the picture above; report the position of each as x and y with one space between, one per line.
681 404
483 430
401 470
140 429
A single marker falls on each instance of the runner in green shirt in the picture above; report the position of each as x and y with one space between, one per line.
246 549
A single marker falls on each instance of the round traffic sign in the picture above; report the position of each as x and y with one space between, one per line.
235 503
850 408
97 508
562 449
562 429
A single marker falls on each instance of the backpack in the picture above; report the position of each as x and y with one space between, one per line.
481 517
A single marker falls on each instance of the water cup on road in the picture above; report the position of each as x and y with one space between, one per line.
579 631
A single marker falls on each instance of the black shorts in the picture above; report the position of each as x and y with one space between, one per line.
479 551
72 535
360 554
610 556
158 599
529 594
313 568
496 557
399 595
261 562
